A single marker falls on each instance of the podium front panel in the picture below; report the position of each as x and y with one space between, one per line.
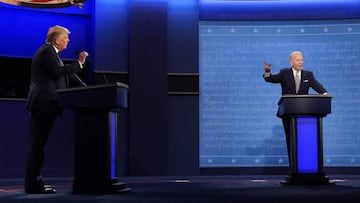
307 144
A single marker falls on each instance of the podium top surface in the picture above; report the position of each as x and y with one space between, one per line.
117 84
309 104
109 96
306 96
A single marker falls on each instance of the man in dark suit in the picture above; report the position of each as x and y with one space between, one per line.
293 80
48 73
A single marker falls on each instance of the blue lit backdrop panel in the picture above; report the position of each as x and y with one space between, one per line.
24 29
278 9
238 123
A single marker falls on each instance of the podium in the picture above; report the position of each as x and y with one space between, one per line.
306 136
96 111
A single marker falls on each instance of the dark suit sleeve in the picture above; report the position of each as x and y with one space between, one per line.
48 60
274 78
315 84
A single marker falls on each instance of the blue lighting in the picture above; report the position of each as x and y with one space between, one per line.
110 3
182 3
273 1
307 144
113 133
278 10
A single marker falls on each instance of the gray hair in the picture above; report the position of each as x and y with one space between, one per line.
295 53
54 32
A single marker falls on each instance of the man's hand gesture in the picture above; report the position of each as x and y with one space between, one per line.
267 67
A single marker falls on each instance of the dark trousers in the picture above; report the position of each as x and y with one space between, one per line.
40 127
286 124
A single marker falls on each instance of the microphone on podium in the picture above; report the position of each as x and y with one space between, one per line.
79 79
91 61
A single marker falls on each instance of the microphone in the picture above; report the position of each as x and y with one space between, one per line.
104 77
92 62
79 79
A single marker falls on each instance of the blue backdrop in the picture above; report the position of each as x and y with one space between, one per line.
238 123
23 29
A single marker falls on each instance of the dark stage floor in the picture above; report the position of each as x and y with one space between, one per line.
196 189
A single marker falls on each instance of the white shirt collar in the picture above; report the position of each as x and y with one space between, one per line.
296 72
56 50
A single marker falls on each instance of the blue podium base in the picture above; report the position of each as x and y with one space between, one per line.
307 179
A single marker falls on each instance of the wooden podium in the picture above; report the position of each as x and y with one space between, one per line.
306 136
96 111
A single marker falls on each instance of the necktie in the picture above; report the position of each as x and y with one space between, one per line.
59 59
297 82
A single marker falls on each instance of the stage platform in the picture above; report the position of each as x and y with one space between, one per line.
209 189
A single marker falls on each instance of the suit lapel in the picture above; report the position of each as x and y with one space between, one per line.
59 60
292 79
301 81
57 55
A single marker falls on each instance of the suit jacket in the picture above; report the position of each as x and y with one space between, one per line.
48 74
286 78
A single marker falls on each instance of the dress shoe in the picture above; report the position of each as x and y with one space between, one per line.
44 190
38 187
49 190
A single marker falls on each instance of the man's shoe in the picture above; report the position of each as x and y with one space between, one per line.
44 190
49 190
37 187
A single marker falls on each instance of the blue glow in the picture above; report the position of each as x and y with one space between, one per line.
111 2
278 10
35 23
145 1
274 1
182 3
307 144
113 133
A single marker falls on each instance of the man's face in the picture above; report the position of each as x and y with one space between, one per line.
62 41
297 61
